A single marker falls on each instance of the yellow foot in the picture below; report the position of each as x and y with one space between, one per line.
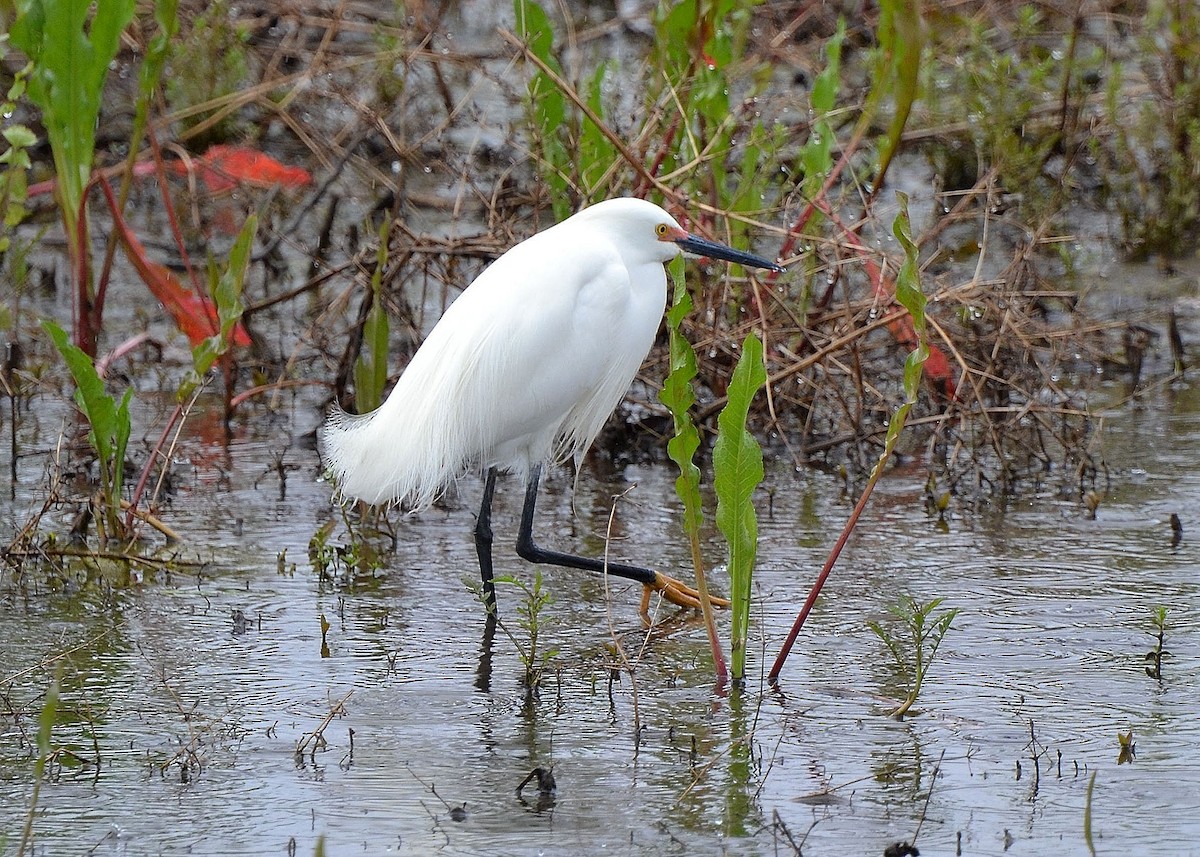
677 592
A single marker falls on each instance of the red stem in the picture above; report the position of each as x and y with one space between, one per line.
786 649
169 207
88 312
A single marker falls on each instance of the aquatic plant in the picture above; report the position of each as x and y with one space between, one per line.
1158 617
535 656
1087 815
910 296
207 69
46 721
108 428
1126 748
569 149
226 285
371 367
71 44
914 645
1151 154
678 395
14 161
737 472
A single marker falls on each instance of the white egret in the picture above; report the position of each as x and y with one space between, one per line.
524 368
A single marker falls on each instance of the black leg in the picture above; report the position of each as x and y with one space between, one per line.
483 543
530 551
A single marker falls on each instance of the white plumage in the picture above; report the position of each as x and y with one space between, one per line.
524 367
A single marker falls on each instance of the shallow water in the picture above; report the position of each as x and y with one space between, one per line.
220 666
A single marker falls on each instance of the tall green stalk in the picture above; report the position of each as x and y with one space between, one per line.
737 471
677 394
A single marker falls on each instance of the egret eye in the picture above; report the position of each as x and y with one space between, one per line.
661 230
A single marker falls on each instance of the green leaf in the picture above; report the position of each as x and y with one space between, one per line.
370 370
71 63
738 471
901 39
228 296
910 296
20 137
677 394
109 423
98 407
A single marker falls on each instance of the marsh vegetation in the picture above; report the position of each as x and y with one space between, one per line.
246 211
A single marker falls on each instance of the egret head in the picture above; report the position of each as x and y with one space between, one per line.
644 232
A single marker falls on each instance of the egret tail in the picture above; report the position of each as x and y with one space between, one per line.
378 458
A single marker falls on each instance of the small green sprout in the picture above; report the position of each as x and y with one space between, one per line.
913 646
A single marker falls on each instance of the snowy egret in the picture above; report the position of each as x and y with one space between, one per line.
522 369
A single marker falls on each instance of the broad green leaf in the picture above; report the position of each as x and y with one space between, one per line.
108 422
97 405
70 64
738 471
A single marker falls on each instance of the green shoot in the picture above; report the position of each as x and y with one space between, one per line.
1155 656
535 657
1087 815
370 370
914 646
899 70
1127 748
227 293
108 425
14 161
738 470
677 394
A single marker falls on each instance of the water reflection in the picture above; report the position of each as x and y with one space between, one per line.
187 691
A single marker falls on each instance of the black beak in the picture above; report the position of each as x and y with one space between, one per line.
703 247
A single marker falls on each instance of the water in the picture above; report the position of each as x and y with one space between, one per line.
193 687
186 692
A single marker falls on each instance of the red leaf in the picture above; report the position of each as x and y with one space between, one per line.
224 167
